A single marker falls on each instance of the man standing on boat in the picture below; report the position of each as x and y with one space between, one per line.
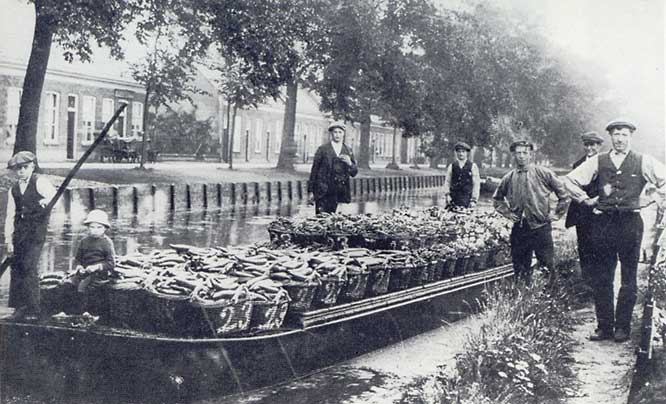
580 215
332 167
617 226
25 233
523 197
462 182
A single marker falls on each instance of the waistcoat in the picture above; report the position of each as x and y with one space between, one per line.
620 188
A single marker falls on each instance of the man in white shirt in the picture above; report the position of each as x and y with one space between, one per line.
462 182
617 226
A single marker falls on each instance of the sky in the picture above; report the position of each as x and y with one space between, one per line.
619 42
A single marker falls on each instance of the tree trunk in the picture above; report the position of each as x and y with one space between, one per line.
146 109
393 165
363 159
231 137
224 147
26 130
288 146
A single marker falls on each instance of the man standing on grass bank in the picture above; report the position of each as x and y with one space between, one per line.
617 226
25 233
523 197
462 183
332 167
580 215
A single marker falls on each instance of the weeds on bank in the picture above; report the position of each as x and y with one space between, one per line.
521 354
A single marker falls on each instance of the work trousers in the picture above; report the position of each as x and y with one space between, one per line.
586 251
24 283
326 204
524 242
615 235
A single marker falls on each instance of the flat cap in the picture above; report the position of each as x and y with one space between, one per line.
22 157
591 137
518 143
462 145
337 124
619 123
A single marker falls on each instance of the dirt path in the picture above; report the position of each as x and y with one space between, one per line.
603 368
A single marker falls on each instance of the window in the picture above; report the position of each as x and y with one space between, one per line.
13 106
237 134
137 119
258 129
88 118
278 136
51 117
107 112
121 122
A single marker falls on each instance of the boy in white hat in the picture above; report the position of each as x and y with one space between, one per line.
95 257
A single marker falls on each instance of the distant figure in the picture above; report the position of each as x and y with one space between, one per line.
332 167
580 215
617 226
462 183
523 197
25 233
95 257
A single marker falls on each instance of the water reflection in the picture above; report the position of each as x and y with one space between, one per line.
154 226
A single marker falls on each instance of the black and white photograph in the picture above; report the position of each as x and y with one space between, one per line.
332 202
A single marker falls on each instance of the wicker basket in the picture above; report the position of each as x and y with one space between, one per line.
301 294
51 299
170 314
378 280
220 318
469 267
490 257
328 291
449 267
269 315
354 288
460 266
127 306
400 277
502 256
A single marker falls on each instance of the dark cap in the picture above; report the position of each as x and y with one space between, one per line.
591 137
462 145
620 124
337 124
22 157
518 143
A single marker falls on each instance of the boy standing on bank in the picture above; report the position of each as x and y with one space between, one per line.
25 232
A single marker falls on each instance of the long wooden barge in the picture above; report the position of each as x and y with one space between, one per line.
69 361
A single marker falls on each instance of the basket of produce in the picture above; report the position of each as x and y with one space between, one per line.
51 292
379 275
422 273
268 313
461 265
127 303
400 276
168 308
356 284
332 275
449 265
301 294
224 316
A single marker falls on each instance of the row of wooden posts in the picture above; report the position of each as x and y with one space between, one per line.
176 197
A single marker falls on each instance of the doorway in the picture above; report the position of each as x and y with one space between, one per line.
72 111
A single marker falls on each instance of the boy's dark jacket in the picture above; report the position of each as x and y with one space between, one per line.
329 177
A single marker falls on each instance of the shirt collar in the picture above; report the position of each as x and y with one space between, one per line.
619 153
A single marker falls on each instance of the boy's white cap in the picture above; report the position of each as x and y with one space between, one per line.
97 216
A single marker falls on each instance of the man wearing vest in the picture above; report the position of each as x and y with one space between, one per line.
617 227
523 197
462 182
580 215
25 233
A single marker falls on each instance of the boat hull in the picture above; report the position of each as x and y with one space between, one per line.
66 361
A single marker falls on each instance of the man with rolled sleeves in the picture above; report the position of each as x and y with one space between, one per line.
580 215
617 226
523 197
462 182
332 167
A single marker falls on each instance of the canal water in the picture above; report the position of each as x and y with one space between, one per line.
381 376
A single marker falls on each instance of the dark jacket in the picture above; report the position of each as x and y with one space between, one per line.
329 176
579 214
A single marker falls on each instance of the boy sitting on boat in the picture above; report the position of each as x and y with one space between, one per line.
95 255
